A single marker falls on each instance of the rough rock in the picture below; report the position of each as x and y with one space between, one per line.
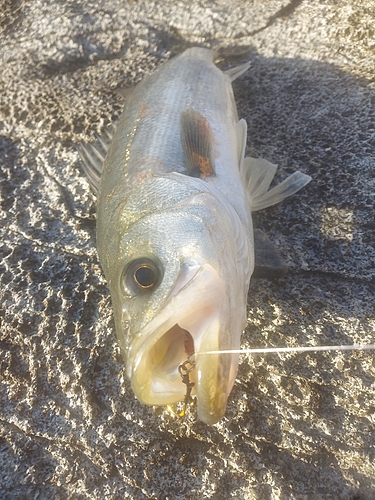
298 426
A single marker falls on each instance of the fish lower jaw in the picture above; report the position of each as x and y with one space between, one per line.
156 380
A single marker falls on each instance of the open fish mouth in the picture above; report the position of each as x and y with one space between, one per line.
189 323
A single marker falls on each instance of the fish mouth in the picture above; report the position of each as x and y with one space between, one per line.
190 323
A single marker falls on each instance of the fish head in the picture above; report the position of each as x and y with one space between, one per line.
179 286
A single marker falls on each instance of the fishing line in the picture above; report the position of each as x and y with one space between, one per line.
189 365
267 350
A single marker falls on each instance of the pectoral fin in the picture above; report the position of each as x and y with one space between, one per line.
268 260
197 143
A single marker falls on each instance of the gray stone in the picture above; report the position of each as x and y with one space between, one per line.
298 426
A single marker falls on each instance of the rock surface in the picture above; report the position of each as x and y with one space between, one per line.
298 426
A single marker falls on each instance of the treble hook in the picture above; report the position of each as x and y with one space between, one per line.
184 370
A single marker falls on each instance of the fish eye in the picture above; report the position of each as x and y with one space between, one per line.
145 276
142 275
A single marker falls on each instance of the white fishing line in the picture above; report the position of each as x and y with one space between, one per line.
266 350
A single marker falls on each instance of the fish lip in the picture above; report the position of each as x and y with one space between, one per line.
194 303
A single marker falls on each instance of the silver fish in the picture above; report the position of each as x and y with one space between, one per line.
174 229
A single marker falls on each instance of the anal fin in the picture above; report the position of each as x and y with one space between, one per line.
197 144
237 71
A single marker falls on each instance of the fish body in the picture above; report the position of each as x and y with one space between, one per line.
174 229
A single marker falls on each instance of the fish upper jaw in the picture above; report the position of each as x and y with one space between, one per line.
195 317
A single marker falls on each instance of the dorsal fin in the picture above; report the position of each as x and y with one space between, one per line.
93 156
197 144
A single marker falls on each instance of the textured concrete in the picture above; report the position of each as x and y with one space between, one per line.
298 426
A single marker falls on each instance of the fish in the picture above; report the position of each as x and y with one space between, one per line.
175 238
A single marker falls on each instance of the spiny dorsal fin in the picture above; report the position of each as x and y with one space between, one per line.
197 144
257 175
93 156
